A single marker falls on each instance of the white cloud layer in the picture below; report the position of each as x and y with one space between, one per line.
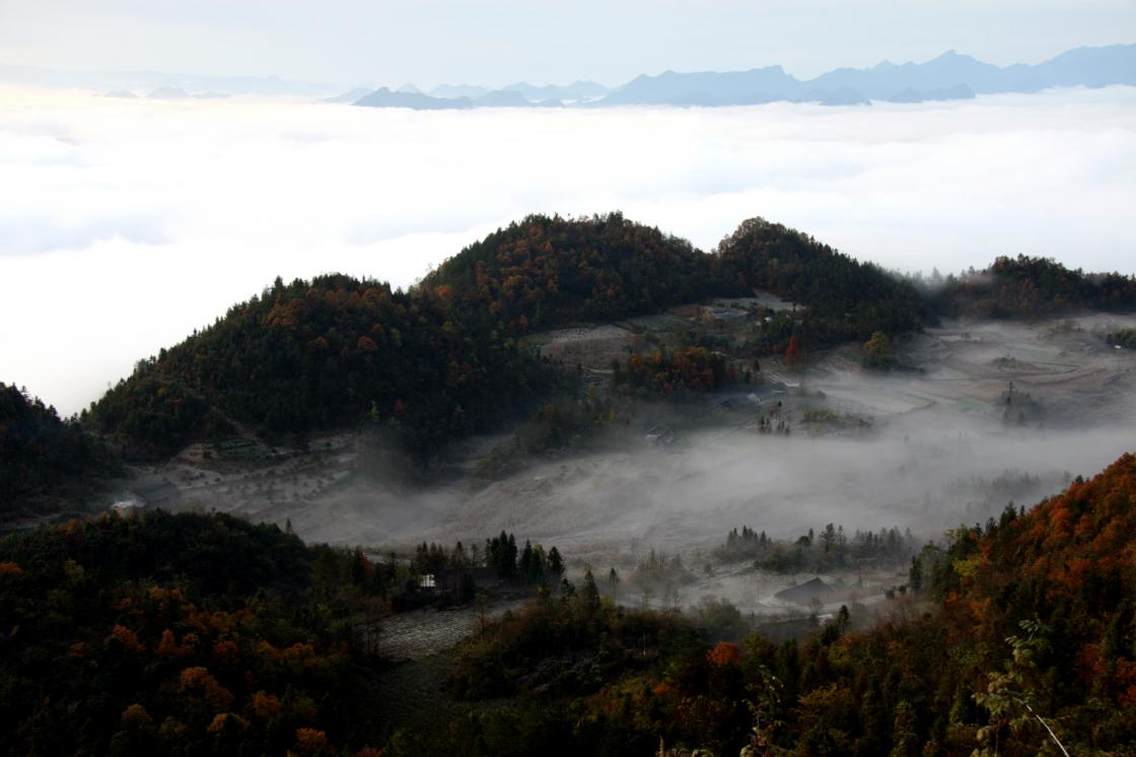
127 223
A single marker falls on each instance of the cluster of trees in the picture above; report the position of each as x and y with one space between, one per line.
187 634
562 646
531 563
669 372
204 634
158 634
830 547
548 271
562 423
879 354
1125 338
656 576
1023 636
1030 287
42 458
844 299
330 352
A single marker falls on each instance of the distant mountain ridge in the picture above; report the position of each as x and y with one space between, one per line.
950 76
947 77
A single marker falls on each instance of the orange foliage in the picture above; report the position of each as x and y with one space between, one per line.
226 652
310 740
10 569
267 651
723 654
127 638
165 597
136 714
265 705
793 352
200 680
225 718
168 646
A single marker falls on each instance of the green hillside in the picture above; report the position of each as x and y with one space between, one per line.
44 461
321 354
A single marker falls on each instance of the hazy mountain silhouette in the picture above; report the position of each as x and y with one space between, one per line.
758 85
384 98
950 76
348 97
577 90
502 98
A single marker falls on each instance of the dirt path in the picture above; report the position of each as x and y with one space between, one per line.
421 633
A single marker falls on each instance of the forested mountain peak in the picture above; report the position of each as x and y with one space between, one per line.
441 360
315 354
548 270
847 298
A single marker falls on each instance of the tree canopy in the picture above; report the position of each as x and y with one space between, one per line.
43 458
330 352
1032 287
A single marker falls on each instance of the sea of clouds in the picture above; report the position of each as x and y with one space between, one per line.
125 224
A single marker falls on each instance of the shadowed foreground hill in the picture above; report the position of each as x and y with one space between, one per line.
43 459
195 634
1018 626
186 634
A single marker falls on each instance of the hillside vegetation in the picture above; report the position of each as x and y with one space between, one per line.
546 272
1020 627
1032 287
328 353
443 360
184 634
43 459
196 634
440 361
845 299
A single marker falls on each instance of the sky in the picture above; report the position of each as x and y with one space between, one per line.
126 224
496 42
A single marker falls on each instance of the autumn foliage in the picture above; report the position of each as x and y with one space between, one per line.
166 634
675 372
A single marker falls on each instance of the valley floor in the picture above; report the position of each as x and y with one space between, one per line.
940 442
